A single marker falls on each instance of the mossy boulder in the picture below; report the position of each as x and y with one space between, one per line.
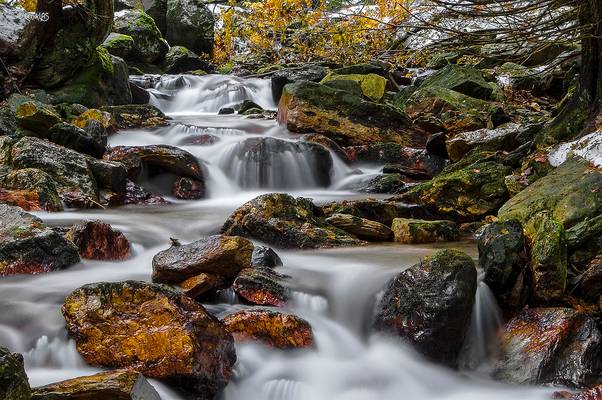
308 107
115 385
30 247
430 305
30 189
14 384
414 231
380 211
372 85
149 45
103 82
284 76
284 221
360 227
463 79
119 45
218 255
37 117
179 59
550 346
151 329
190 24
275 329
468 190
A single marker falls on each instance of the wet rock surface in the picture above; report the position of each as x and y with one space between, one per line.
276 329
414 231
360 227
151 329
284 221
264 287
13 380
549 345
117 385
430 304
28 246
97 240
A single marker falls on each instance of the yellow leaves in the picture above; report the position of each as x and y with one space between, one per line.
29 5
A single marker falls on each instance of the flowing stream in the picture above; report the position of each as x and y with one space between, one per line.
333 289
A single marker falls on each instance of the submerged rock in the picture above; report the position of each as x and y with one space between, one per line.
13 380
550 345
275 329
262 287
97 240
430 305
307 107
360 227
415 231
151 329
282 220
27 246
114 385
220 255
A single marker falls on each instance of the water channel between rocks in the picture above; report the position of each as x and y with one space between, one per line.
335 290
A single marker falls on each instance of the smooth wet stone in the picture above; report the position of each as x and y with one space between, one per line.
136 116
14 384
275 329
361 227
550 346
188 189
219 254
281 220
97 240
380 211
307 107
28 246
501 138
430 305
111 385
91 140
202 284
265 257
151 329
262 287
109 175
416 231
502 258
168 158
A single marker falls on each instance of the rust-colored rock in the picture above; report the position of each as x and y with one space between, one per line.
28 200
590 394
99 241
276 329
550 345
262 287
111 385
188 189
152 329
219 254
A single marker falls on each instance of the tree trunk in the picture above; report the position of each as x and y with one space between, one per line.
52 10
591 76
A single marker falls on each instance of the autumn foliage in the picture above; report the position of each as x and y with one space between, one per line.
306 30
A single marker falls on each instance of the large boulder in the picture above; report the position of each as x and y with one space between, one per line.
30 247
415 231
372 85
501 138
468 190
151 329
68 168
120 45
282 77
502 258
463 79
276 329
308 107
220 255
115 385
149 45
360 227
284 221
189 23
550 346
97 240
13 380
430 305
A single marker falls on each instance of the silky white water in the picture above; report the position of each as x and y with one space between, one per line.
335 290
